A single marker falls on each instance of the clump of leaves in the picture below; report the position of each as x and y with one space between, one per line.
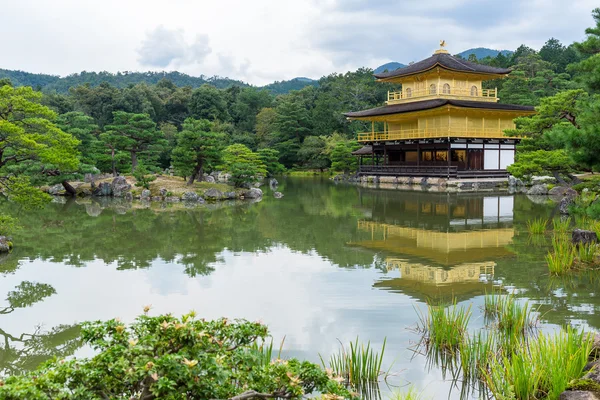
7 225
143 176
165 357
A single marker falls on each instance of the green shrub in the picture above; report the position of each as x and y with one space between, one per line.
165 357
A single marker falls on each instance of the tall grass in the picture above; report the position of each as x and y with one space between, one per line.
264 351
475 353
586 253
513 318
410 394
537 226
561 226
358 364
539 368
444 328
562 258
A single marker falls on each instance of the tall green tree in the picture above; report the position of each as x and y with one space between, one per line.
133 133
208 102
313 153
29 137
270 159
198 148
342 159
243 164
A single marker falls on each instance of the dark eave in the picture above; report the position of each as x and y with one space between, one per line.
436 103
445 61
363 151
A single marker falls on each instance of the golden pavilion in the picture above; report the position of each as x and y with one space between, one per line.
441 123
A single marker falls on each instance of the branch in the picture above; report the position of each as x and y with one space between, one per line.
253 394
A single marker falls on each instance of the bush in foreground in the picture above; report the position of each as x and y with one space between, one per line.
165 357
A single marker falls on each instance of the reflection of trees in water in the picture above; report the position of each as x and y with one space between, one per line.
316 218
26 351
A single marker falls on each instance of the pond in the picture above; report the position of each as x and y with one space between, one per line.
327 263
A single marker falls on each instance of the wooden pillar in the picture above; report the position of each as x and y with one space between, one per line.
467 156
448 156
385 158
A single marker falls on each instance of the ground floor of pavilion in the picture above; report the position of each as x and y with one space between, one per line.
443 157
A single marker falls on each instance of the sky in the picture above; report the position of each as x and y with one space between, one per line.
261 41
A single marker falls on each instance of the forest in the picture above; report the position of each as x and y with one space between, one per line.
153 127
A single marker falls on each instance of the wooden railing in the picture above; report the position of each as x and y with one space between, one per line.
409 170
429 133
440 92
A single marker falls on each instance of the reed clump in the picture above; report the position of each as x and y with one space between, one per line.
408 394
537 226
562 257
445 327
476 352
358 363
561 226
540 367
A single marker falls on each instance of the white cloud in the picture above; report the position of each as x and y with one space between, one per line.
266 40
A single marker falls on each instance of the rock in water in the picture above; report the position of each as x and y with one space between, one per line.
538 190
278 195
213 194
230 195
584 237
103 189
5 244
578 395
145 194
254 193
209 179
565 203
56 190
190 197
120 186
273 183
562 191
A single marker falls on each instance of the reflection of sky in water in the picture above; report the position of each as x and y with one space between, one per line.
305 298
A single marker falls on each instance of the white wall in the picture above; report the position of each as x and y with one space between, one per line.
490 159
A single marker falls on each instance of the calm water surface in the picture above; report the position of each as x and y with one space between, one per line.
325 263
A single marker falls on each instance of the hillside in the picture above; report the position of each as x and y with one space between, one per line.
287 86
391 66
49 83
482 52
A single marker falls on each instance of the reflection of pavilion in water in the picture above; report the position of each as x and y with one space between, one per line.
440 245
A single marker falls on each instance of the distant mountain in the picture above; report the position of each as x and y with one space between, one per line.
21 78
287 86
482 52
391 66
50 83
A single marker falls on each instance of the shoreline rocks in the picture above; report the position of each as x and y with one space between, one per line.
5 244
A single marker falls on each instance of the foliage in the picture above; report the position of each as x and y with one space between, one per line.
171 358
541 162
342 158
133 133
198 148
143 176
243 164
269 158
7 225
